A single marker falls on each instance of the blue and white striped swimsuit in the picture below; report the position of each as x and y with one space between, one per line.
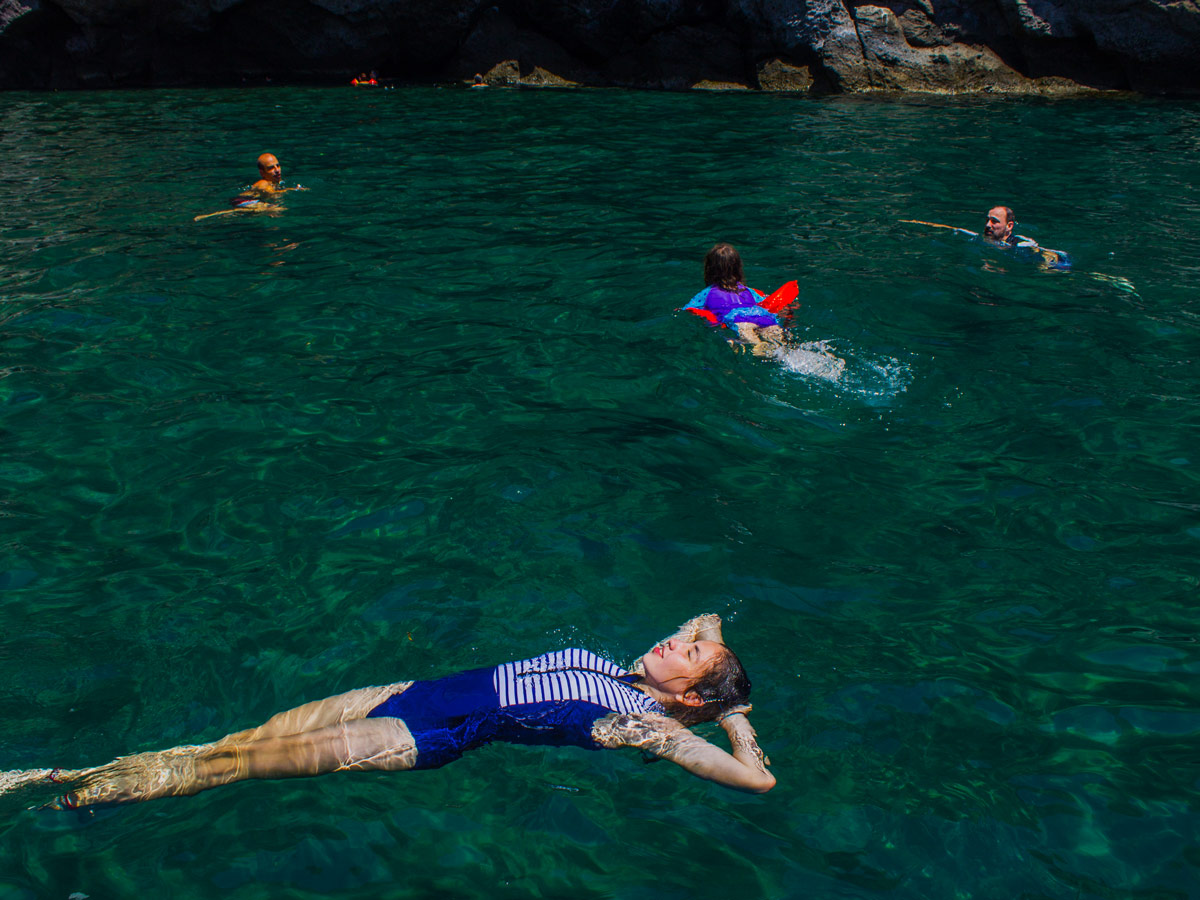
552 699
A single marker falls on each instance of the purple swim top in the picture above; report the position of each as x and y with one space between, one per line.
732 307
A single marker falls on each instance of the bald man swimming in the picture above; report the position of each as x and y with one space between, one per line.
270 174
259 196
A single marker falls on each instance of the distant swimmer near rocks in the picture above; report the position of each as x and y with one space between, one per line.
998 228
259 196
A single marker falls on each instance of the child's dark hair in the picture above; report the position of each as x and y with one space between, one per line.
724 685
723 267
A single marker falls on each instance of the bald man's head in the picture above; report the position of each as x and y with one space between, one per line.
268 168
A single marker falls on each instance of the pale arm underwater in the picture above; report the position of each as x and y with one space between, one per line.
745 769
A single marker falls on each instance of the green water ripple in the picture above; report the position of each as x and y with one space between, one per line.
439 413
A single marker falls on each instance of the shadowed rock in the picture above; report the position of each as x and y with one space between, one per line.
776 75
795 45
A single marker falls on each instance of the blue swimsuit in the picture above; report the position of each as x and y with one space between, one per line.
552 699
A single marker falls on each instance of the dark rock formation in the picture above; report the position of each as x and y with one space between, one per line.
795 45
9 10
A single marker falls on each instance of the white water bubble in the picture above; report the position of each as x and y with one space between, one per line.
877 381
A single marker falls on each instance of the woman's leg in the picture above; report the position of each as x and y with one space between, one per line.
357 745
320 713
169 772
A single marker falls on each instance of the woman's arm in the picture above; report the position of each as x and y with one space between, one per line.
701 628
743 738
745 769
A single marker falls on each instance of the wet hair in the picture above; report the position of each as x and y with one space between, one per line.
723 267
722 686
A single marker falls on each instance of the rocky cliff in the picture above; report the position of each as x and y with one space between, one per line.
821 45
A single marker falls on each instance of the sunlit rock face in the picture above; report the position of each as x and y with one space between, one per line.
793 45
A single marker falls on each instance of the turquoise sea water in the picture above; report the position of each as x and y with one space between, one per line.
439 413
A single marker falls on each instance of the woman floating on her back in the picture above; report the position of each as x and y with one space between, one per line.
565 697
735 305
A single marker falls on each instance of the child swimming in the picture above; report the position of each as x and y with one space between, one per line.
734 304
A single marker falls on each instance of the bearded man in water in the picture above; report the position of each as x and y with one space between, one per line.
999 227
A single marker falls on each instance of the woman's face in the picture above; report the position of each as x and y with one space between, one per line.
673 667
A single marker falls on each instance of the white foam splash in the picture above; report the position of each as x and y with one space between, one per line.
815 359
877 381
